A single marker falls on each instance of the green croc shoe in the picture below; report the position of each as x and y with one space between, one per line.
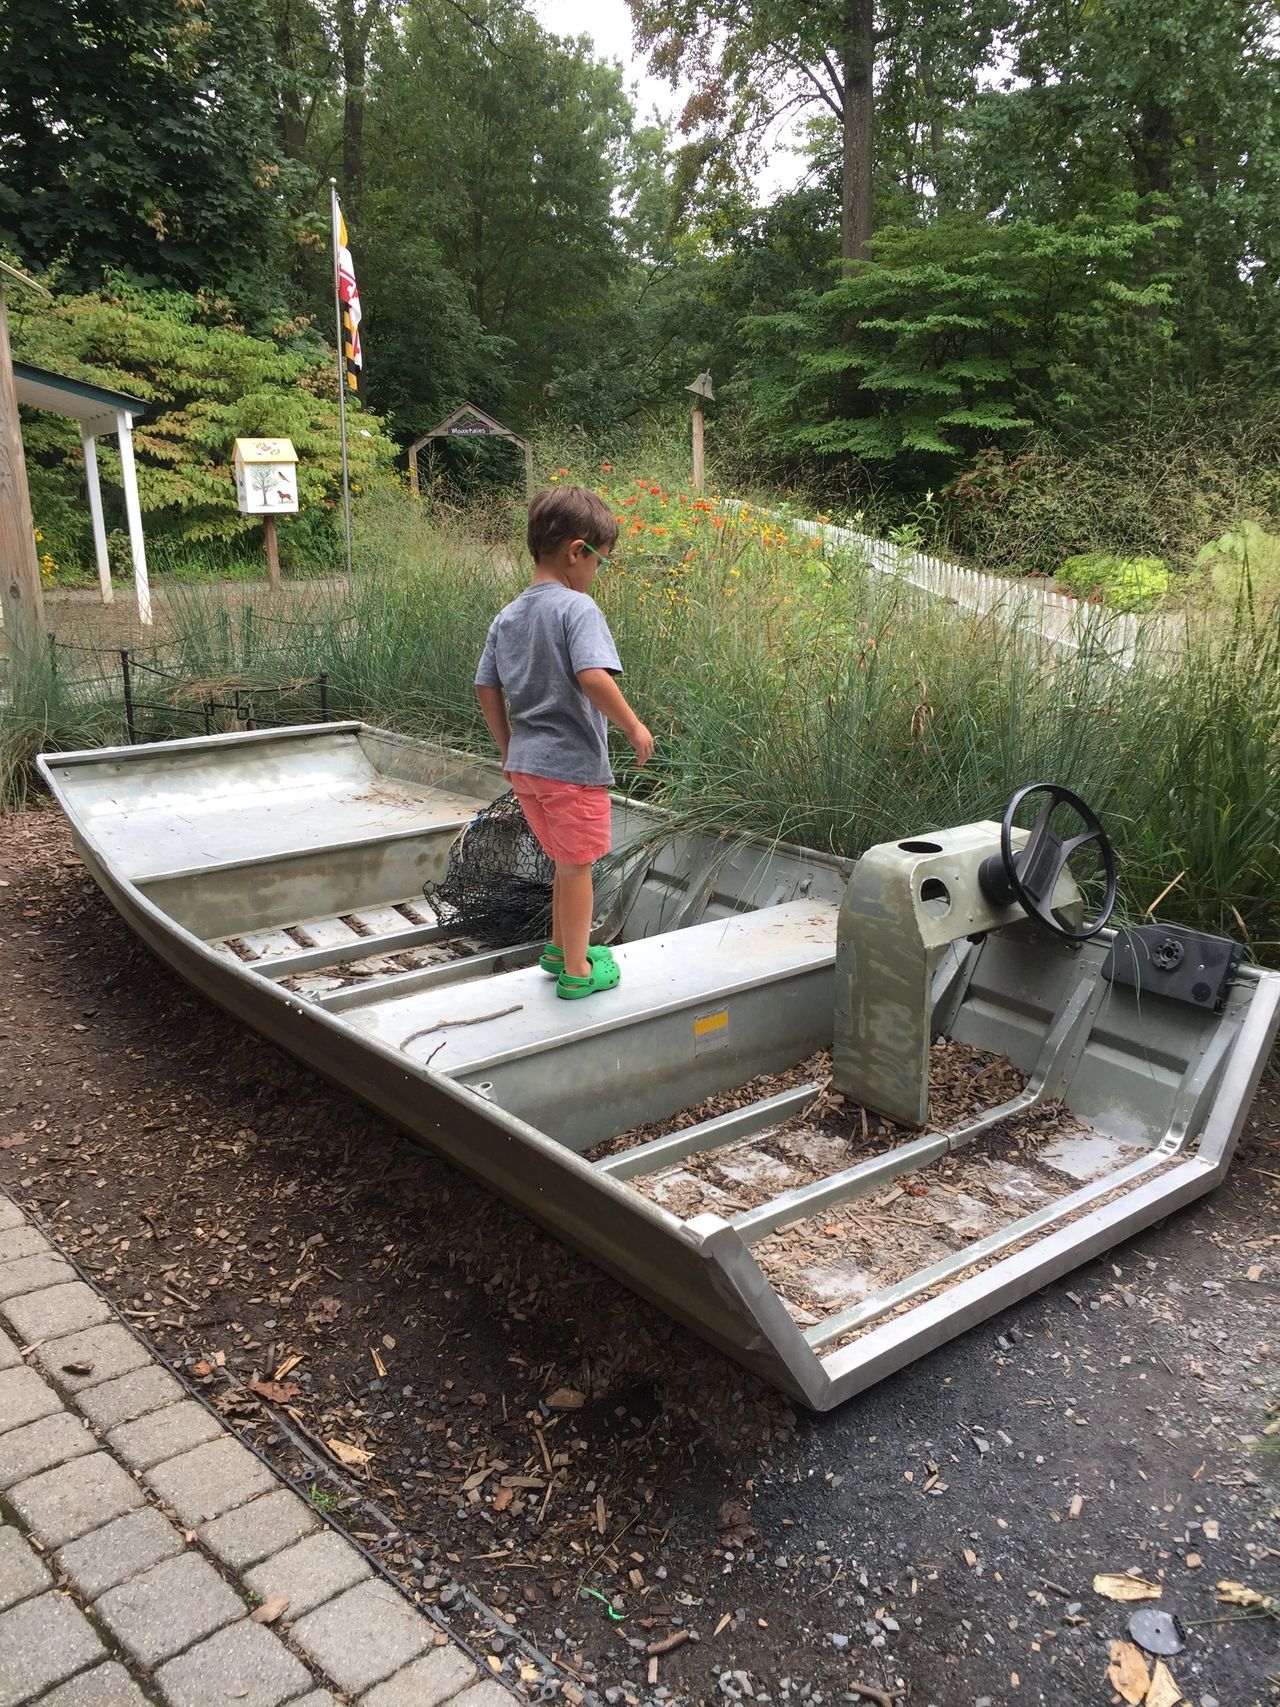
552 959
604 976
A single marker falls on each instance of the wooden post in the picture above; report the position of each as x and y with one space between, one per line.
95 512
273 554
413 472
697 446
133 514
20 594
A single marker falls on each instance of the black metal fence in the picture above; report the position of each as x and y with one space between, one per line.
239 706
161 701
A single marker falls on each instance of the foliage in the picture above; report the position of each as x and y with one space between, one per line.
1125 583
205 383
142 145
1177 478
951 334
493 154
1069 213
1174 101
1244 560
888 82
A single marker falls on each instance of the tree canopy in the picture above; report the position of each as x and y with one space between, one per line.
1008 217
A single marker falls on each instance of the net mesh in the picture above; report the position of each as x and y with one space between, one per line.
497 887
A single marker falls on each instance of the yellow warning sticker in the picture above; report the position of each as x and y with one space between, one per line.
709 1030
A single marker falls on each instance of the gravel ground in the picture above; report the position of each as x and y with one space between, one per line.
514 1430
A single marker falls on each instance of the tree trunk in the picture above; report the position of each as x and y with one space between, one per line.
1153 148
858 64
352 132
290 126
354 30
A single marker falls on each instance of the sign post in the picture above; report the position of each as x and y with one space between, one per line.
267 486
702 393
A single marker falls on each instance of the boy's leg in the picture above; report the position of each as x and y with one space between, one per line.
573 892
557 925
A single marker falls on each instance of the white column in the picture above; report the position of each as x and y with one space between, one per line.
137 549
95 511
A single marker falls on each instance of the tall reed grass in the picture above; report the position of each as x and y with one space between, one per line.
792 693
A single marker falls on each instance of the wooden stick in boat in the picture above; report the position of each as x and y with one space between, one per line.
476 1019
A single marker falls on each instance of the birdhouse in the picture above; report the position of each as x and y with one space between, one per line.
701 387
266 477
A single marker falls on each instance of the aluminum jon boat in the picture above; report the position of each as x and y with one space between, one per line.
835 1112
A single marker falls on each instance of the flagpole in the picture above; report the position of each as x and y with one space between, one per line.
342 372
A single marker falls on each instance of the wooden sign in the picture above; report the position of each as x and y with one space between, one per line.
468 422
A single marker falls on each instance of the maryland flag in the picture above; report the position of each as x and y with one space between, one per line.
349 297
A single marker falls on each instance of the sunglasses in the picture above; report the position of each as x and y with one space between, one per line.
599 555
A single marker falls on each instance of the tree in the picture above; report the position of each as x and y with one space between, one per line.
143 145
753 64
956 334
494 150
1176 102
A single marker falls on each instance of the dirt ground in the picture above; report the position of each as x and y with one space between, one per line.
540 1453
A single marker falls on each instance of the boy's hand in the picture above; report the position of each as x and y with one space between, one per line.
642 741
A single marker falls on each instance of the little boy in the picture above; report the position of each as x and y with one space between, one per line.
546 686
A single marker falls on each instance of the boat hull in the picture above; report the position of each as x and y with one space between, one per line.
769 913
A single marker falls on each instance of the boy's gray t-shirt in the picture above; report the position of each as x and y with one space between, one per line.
536 647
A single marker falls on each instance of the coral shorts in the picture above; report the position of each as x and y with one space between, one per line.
572 820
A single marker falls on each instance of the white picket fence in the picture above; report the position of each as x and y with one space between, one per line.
1066 623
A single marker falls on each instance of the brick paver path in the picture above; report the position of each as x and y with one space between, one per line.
137 1535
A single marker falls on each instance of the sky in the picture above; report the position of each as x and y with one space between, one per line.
608 23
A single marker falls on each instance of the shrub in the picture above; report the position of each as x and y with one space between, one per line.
1246 559
1125 583
1158 489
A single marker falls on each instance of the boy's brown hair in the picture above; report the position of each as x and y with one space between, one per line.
561 513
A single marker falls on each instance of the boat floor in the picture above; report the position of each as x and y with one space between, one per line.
854 1251
367 942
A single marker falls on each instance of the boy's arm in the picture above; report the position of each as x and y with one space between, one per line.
605 694
494 706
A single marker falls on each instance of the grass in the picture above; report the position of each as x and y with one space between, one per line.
793 692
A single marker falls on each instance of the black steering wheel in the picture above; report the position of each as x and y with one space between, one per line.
1031 875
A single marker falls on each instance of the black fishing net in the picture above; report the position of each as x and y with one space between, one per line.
498 884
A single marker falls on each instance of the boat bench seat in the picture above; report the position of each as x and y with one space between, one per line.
518 1013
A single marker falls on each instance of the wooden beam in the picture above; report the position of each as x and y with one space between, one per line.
20 592
95 512
133 513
